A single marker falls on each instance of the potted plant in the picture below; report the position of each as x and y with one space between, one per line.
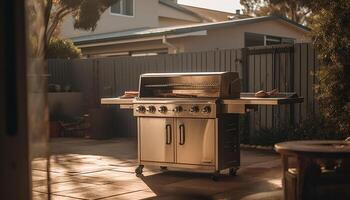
55 117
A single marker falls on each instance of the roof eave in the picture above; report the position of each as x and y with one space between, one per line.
197 28
182 9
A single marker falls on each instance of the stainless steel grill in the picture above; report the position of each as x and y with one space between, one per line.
190 120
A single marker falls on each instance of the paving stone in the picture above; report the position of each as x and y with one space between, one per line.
274 195
104 174
267 164
95 192
63 187
104 169
44 196
132 195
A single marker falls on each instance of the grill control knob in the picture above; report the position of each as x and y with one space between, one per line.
140 109
194 109
177 109
151 109
206 109
163 109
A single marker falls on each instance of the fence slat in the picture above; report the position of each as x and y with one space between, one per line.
310 79
304 79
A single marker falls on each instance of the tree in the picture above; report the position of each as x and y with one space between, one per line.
331 35
62 48
290 9
86 13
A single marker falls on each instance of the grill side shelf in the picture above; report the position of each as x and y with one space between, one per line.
250 99
262 101
247 102
125 103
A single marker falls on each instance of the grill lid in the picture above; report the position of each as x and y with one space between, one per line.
190 85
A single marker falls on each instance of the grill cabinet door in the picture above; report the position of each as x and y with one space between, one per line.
156 139
195 142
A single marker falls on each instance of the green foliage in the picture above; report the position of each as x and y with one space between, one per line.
290 9
331 35
86 13
61 48
312 128
332 93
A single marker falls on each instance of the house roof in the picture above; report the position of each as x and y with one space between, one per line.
214 15
175 30
204 14
180 8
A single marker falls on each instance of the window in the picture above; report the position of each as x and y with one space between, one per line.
123 7
271 40
254 39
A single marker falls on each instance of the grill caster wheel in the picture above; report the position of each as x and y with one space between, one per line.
215 176
163 168
233 171
139 171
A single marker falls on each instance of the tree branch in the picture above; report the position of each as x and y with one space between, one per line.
58 17
47 17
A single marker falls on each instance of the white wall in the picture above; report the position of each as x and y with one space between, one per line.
147 14
166 22
144 16
222 38
165 11
233 37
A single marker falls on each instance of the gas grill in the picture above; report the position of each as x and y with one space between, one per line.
191 120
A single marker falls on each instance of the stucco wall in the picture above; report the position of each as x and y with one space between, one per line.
223 38
165 22
233 37
148 13
143 17
165 11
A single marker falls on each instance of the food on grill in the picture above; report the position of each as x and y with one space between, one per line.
263 94
273 92
130 94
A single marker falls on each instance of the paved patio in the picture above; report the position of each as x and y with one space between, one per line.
104 169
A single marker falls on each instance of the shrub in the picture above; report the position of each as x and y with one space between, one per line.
62 48
333 92
312 128
331 33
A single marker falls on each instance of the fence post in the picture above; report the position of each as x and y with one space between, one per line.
291 74
245 81
95 84
245 69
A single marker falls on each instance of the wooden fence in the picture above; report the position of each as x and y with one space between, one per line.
288 68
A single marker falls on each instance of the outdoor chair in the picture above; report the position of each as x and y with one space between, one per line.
76 127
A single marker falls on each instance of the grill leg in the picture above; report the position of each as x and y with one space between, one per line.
139 170
215 175
233 171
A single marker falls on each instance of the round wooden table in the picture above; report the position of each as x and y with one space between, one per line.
308 154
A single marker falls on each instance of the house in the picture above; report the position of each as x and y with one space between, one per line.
163 26
136 14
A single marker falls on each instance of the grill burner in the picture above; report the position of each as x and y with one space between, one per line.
190 120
